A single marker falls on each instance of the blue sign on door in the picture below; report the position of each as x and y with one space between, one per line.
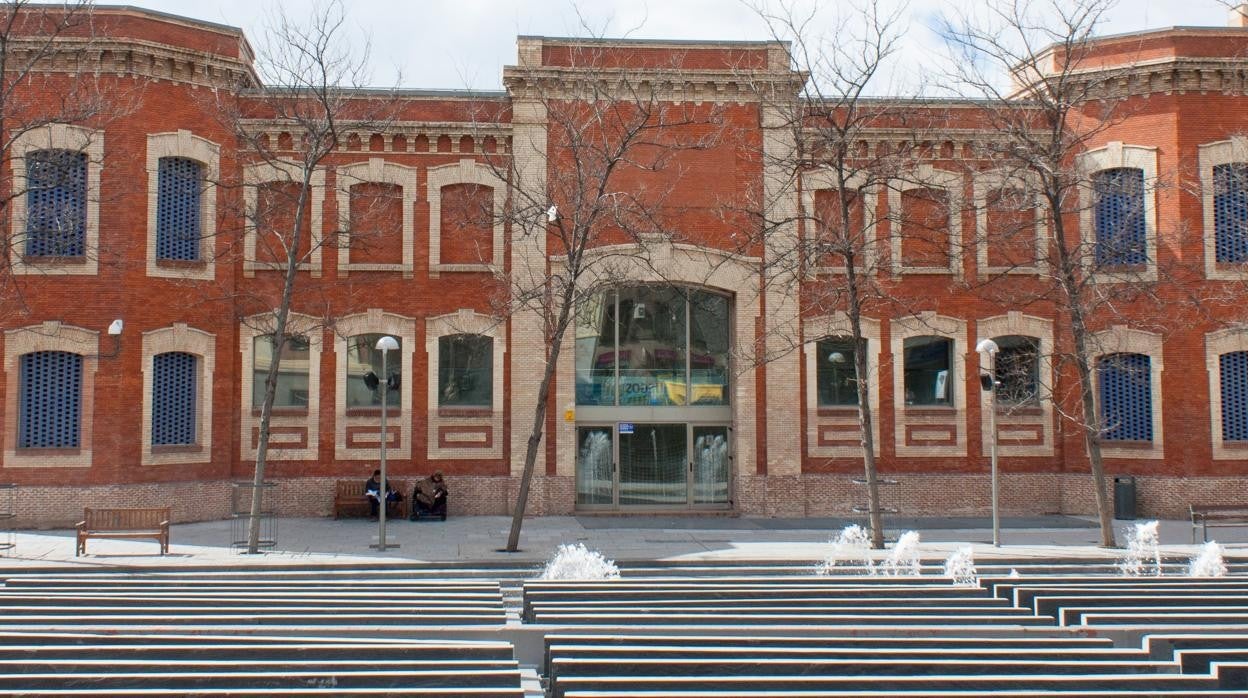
626 427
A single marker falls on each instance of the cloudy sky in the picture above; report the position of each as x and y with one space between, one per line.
458 44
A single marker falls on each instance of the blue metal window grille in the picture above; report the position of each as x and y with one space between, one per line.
174 385
1120 231
1230 212
49 399
56 203
179 182
1126 397
1234 375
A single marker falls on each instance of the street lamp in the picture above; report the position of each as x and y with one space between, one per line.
384 345
988 351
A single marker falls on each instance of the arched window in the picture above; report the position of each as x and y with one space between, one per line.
1121 235
1234 383
465 370
1017 370
1126 397
363 359
50 400
179 187
292 376
835 371
927 370
175 378
56 203
1230 212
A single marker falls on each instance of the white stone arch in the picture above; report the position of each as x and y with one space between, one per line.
184 144
259 173
1110 156
984 183
58 137
357 432
181 338
1026 423
841 422
296 433
929 430
1231 339
466 433
924 176
1232 150
51 335
382 172
466 171
1120 339
814 181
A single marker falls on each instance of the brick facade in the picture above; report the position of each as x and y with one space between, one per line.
435 274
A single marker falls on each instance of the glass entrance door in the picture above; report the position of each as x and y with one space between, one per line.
627 465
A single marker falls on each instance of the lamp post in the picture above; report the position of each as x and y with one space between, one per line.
988 351
384 345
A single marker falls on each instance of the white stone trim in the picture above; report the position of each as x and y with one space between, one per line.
667 263
924 176
374 320
984 184
466 171
466 321
380 171
259 173
838 325
51 335
184 144
1232 150
1119 339
58 137
297 324
1041 329
928 323
1216 344
1110 156
814 181
181 338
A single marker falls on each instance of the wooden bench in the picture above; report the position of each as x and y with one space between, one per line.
349 499
124 523
1216 516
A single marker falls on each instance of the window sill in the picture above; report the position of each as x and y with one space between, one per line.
465 411
933 409
284 412
48 260
391 411
36 452
1128 445
1030 410
182 264
171 449
837 410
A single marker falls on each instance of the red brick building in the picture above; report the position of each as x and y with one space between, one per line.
659 401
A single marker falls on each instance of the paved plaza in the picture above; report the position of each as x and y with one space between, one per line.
479 538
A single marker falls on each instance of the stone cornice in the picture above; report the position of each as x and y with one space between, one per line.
645 84
410 130
133 57
1168 75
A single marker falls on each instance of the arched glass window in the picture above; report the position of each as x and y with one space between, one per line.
1230 212
927 370
1234 384
363 359
292 376
465 370
50 400
56 203
179 183
835 371
1018 370
175 378
1126 397
1121 234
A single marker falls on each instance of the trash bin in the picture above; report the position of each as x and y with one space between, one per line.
1124 498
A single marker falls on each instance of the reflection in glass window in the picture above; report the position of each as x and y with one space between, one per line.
927 375
465 370
292 375
1018 370
835 371
363 359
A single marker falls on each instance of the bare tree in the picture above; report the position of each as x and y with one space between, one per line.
1048 101
310 99
46 79
615 140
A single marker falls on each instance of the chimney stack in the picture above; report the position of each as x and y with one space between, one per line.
1239 16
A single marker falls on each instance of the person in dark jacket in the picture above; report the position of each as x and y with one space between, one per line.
372 490
429 497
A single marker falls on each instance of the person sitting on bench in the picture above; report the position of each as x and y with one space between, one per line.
372 489
429 497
